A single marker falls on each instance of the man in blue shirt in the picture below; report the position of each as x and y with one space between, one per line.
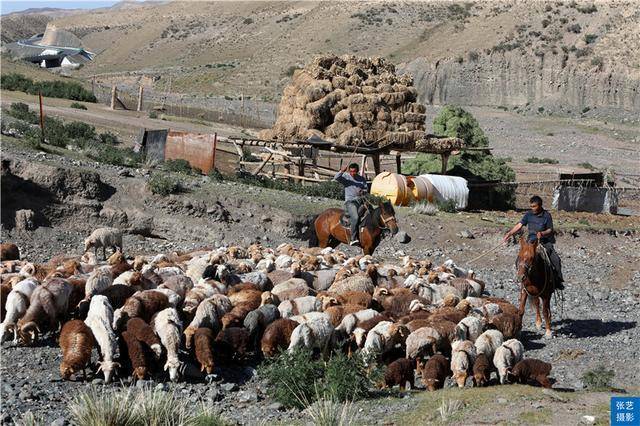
539 225
355 187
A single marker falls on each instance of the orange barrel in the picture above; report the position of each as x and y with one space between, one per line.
393 187
421 188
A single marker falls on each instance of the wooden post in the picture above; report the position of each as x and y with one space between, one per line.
114 96
41 119
398 164
376 163
140 92
363 163
215 147
301 167
445 160
93 84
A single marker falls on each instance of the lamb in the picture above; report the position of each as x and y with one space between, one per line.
422 342
383 337
16 305
203 340
47 306
299 306
167 325
488 342
232 342
277 336
143 332
76 342
531 369
399 372
315 334
9 251
291 289
351 321
481 370
136 354
507 356
104 237
434 372
98 281
99 319
508 324
463 355
143 304
468 328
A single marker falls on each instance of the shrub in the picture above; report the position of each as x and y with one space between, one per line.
545 23
247 21
326 412
583 52
344 378
53 89
153 114
599 378
597 62
586 109
541 160
33 136
160 184
587 9
587 166
590 38
55 132
80 131
178 166
473 55
448 206
575 28
109 154
540 109
77 105
21 111
108 138
425 208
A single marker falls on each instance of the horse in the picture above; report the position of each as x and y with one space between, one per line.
330 232
537 280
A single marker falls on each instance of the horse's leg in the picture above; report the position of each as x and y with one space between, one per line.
523 302
546 310
535 300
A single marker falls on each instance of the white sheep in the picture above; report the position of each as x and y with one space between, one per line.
469 328
16 304
98 280
196 267
167 325
423 341
196 295
104 237
208 315
315 334
124 278
174 298
99 320
350 321
463 355
299 306
383 337
488 342
309 316
506 356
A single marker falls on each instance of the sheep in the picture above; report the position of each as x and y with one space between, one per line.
299 306
399 372
463 355
196 295
104 237
481 370
314 334
76 343
235 317
363 327
203 341
434 372
257 320
383 337
173 298
361 282
351 321
118 294
508 324
180 284
232 342
454 315
488 342
531 369
136 354
9 251
167 325
16 306
506 356
144 333
143 304
355 298
247 296
291 289
422 342
277 336
98 281
310 316
337 313
118 264
99 319
208 315
397 300
468 328
47 305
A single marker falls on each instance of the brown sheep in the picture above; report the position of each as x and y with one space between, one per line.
118 294
481 370
336 313
9 251
140 282
135 351
277 336
143 304
434 372
396 300
118 263
77 293
531 369
452 314
143 332
508 324
417 315
399 372
5 289
250 297
415 324
355 298
232 342
76 342
203 339
447 329
235 317
505 306
241 287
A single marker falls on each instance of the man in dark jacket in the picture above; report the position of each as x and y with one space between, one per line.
355 187
539 224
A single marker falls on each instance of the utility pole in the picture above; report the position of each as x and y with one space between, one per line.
41 119
140 92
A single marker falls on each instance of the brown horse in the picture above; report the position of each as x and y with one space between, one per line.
536 278
330 232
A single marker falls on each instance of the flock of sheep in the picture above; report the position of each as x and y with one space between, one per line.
237 301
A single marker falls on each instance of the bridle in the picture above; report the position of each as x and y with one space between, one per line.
385 220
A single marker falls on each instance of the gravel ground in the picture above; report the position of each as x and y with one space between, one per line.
599 323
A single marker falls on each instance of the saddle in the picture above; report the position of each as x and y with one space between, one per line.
363 212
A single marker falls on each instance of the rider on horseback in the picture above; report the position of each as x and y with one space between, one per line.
540 226
355 187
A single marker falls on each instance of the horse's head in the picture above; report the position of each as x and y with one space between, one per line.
388 216
526 257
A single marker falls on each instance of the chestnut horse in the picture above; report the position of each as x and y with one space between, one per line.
536 279
330 232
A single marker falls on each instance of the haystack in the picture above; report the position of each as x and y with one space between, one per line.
350 100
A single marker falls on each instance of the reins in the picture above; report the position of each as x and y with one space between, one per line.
486 252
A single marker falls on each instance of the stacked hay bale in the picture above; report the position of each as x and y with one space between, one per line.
350 99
